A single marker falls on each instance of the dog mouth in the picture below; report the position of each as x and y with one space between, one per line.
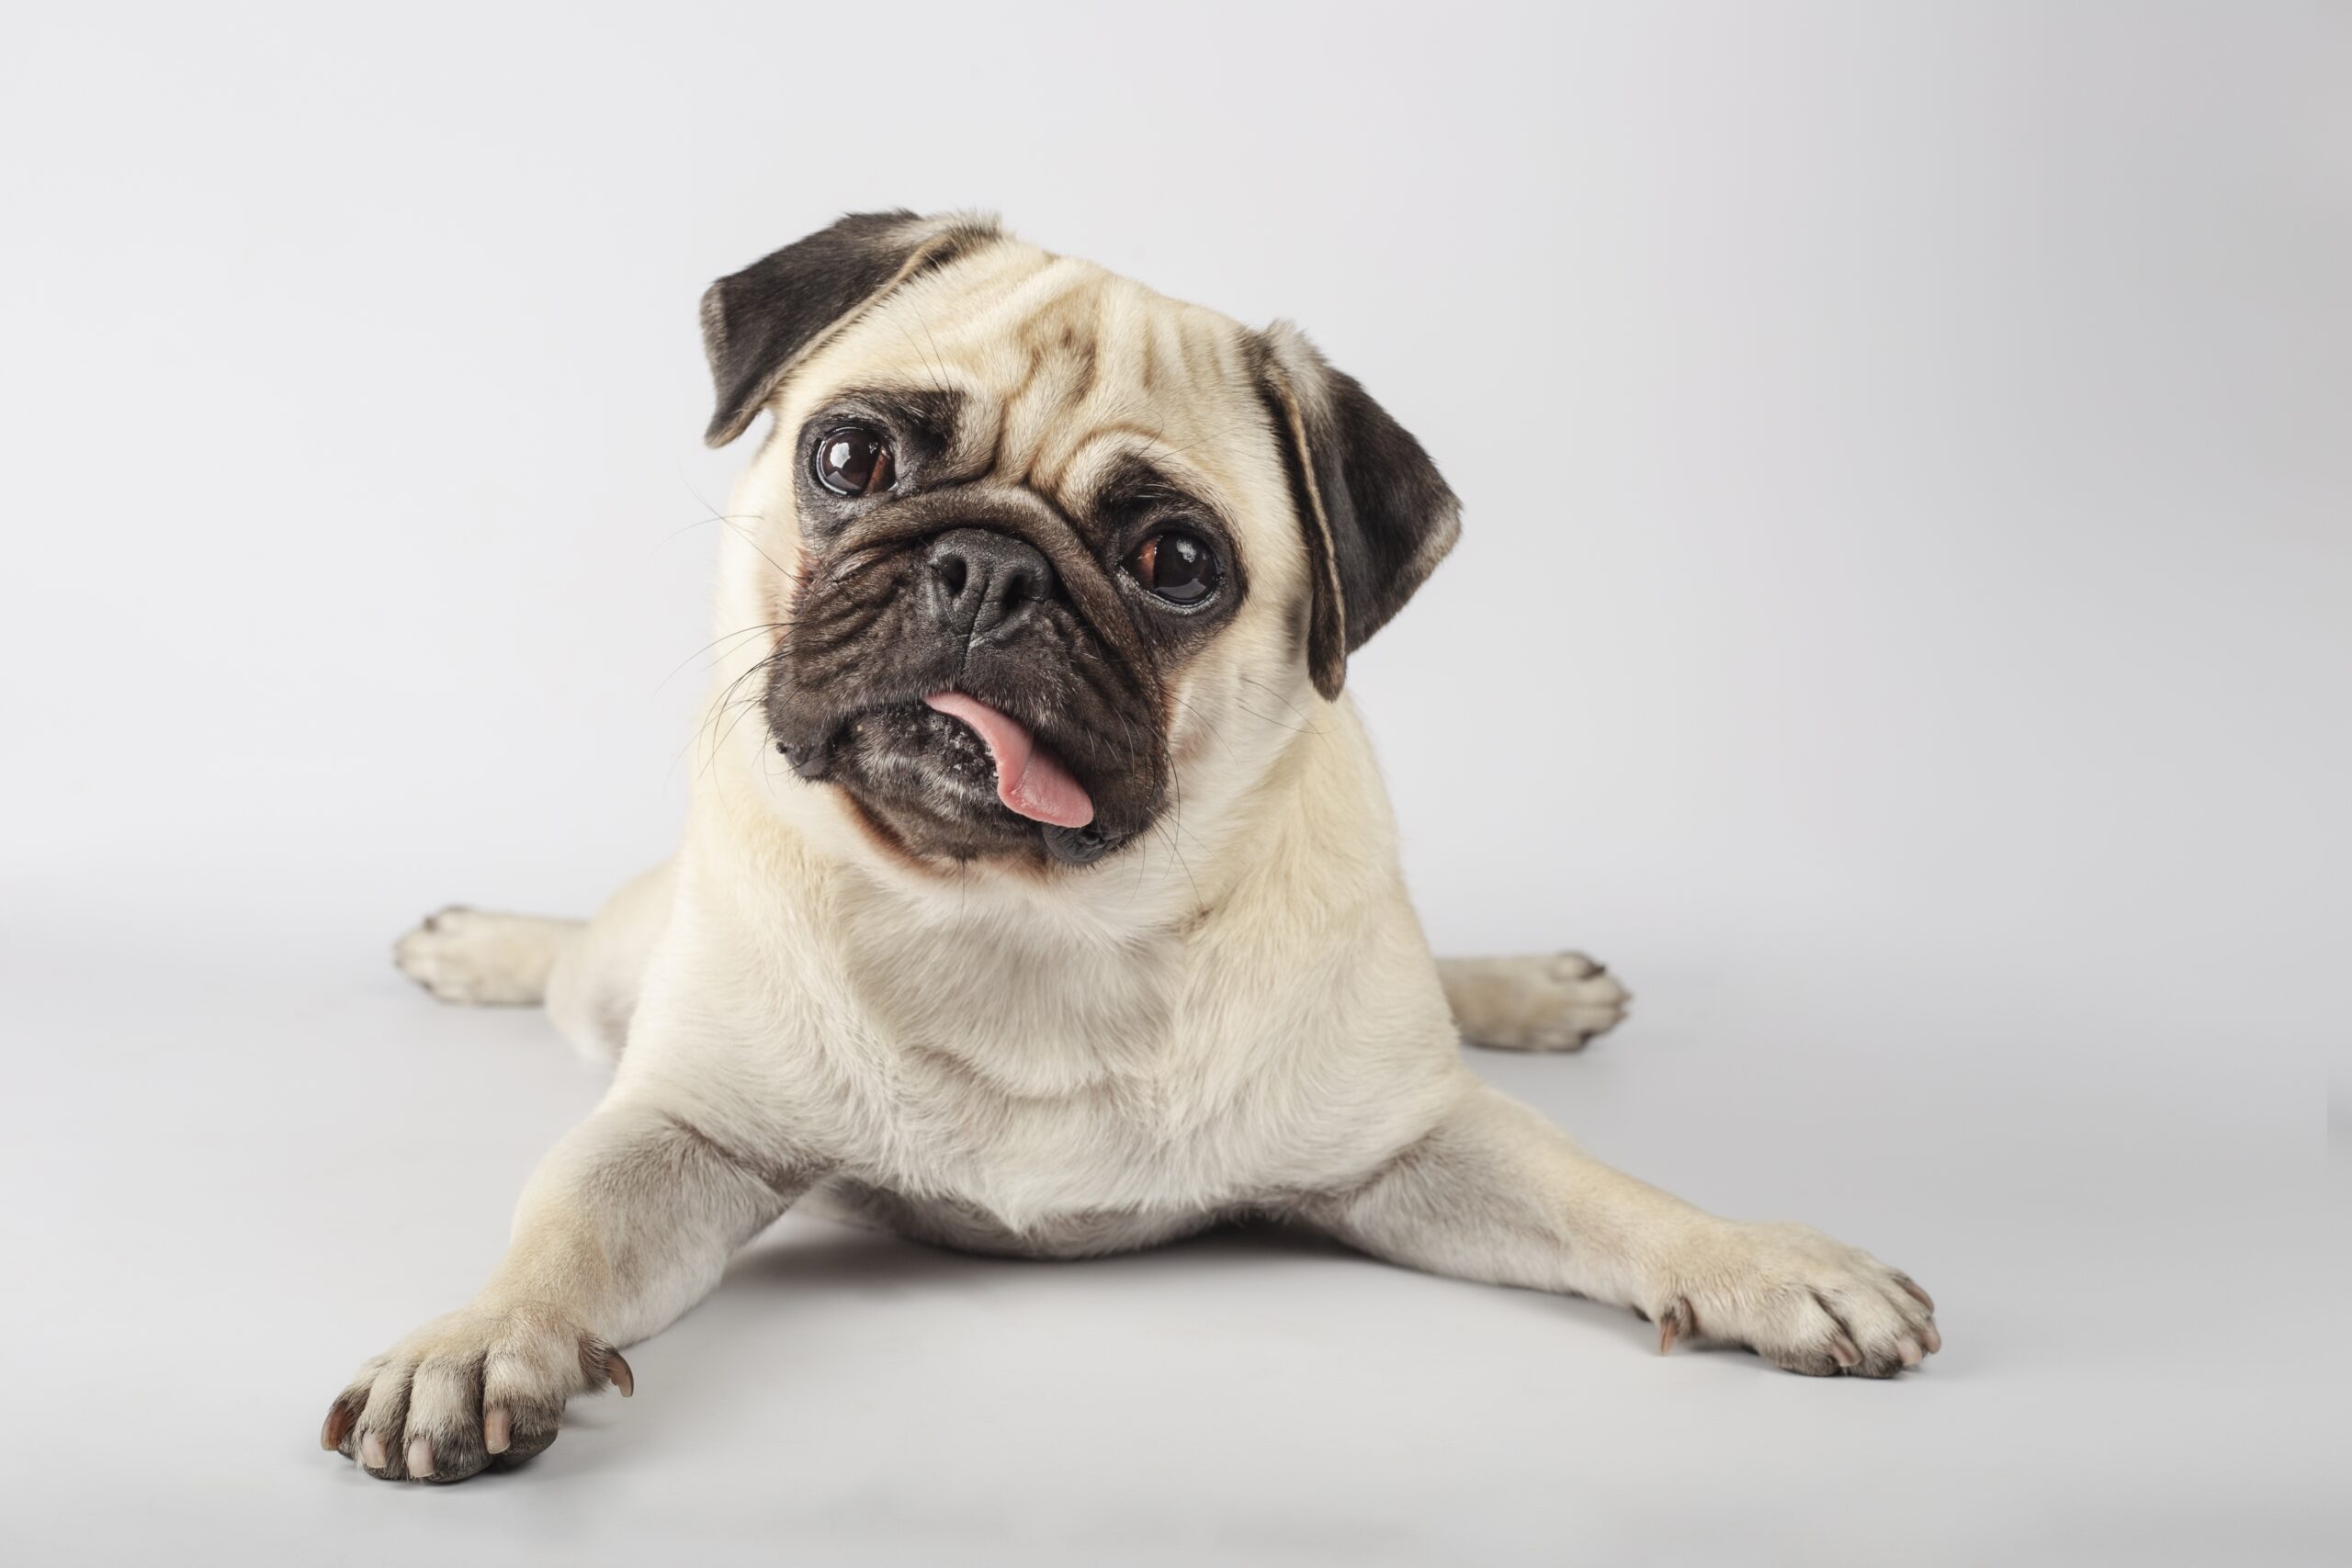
954 772
1031 781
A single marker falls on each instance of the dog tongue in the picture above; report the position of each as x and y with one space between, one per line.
1029 779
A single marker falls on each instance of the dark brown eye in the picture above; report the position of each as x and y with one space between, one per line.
855 460
1177 566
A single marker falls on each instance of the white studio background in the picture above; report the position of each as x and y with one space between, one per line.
1902 623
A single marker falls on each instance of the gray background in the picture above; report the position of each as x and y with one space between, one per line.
1901 625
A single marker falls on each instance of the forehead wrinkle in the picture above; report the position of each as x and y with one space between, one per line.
1076 378
1010 348
1065 369
1104 452
1147 381
940 329
980 330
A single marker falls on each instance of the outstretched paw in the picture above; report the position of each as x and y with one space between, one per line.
1800 1300
481 1389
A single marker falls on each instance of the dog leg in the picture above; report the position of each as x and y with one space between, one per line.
1551 1002
628 1223
587 972
1494 1193
592 996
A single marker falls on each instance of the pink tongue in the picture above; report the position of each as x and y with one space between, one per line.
1029 779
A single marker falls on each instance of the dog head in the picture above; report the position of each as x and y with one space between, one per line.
1032 556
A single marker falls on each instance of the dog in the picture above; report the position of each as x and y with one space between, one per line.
1039 894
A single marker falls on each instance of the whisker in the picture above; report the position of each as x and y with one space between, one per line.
731 637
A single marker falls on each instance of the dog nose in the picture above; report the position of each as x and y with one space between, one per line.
984 583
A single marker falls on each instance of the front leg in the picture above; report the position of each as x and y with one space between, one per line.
1496 1193
628 1223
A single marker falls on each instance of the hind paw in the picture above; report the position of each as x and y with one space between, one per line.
467 956
1549 1002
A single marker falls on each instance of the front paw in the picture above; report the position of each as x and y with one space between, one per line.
1800 1300
481 1389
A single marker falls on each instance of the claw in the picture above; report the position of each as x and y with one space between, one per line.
617 1370
1845 1352
1907 1350
420 1458
337 1427
372 1453
1915 1293
1933 1339
1675 1321
497 1429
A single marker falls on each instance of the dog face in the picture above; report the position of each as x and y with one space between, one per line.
1043 559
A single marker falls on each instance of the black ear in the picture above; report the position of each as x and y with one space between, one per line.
1377 516
757 324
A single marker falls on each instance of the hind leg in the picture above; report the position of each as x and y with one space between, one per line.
1548 1002
484 959
587 972
592 996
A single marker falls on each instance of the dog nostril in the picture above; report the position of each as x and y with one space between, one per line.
984 583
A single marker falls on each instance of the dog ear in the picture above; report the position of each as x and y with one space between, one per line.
760 324
1377 516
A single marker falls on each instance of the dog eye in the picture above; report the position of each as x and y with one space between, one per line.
1176 566
855 460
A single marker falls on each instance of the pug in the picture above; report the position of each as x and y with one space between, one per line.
1039 894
